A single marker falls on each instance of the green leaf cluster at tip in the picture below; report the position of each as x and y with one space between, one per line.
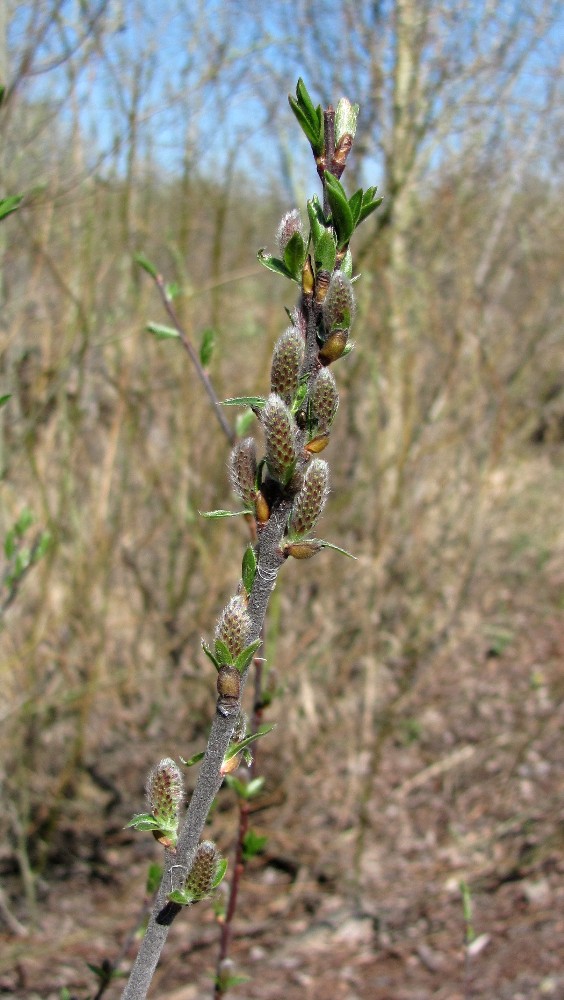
309 117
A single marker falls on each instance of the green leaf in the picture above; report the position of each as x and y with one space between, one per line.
274 264
154 876
246 655
207 344
325 251
253 844
317 220
144 822
24 521
342 215
172 290
244 422
368 208
210 655
162 332
347 265
295 255
145 263
4 399
10 204
355 203
43 546
221 870
213 514
240 745
223 652
306 102
328 545
256 402
249 568
195 759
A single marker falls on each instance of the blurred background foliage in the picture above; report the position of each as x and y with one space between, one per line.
164 129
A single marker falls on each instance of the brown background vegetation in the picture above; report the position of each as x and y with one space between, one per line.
419 714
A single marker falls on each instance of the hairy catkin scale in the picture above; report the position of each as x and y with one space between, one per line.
233 626
311 499
291 223
324 399
281 451
338 307
243 470
287 360
165 791
200 879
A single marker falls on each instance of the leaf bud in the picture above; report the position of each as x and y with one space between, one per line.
291 223
233 626
310 501
204 871
324 399
308 280
262 510
317 444
338 307
303 550
228 682
165 791
243 470
287 360
279 431
334 347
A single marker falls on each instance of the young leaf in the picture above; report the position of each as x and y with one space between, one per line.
244 422
4 399
342 215
207 345
253 844
220 874
336 548
162 332
144 822
368 208
355 203
223 653
325 251
195 759
210 655
213 514
273 264
256 402
246 655
9 205
294 255
145 263
249 568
